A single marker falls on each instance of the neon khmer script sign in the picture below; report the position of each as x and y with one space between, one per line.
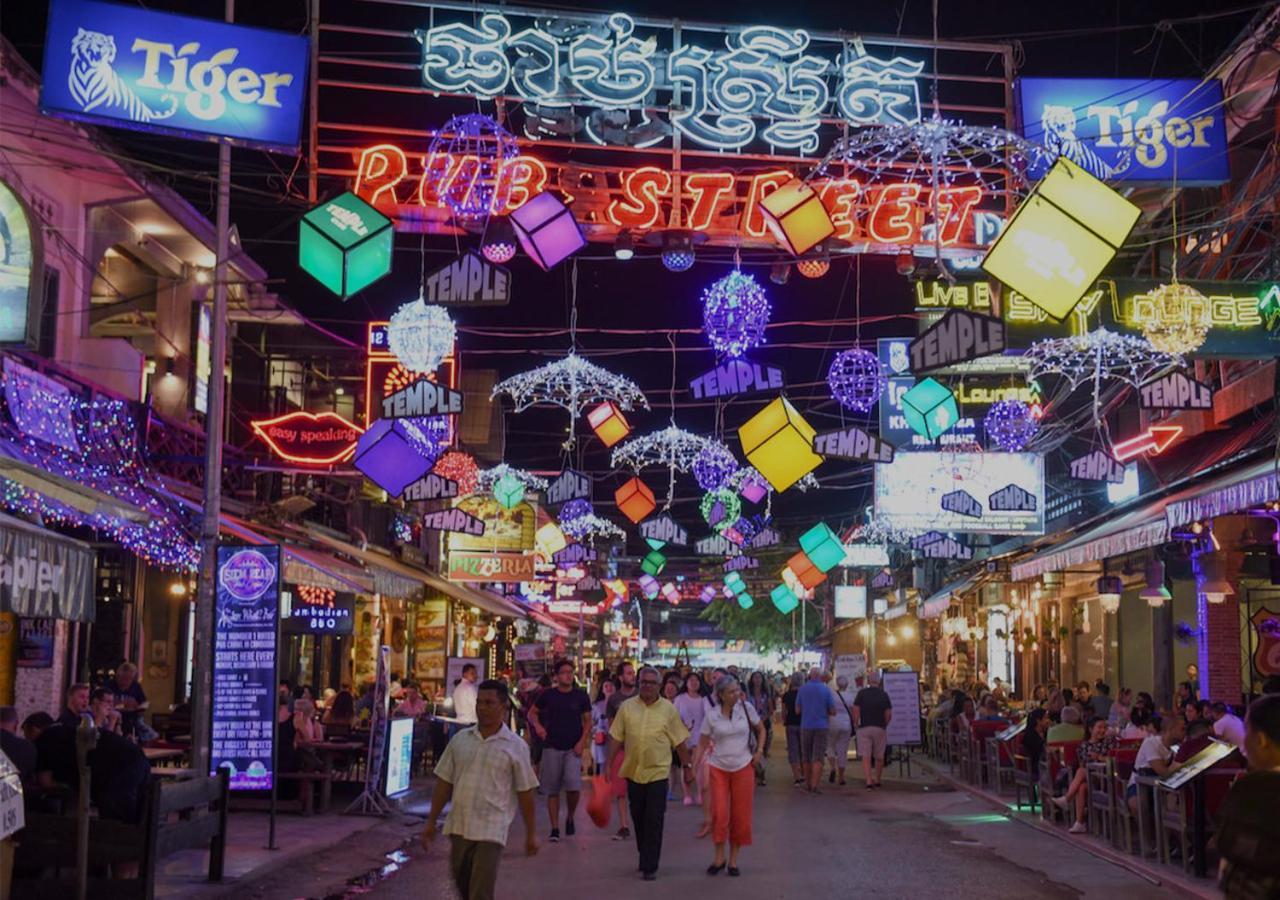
622 82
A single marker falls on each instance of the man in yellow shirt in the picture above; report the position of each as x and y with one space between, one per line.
648 729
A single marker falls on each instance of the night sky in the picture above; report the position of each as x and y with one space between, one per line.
647 308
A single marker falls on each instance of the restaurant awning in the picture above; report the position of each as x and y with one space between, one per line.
1135 530
937 602
44 574
1228 493
402 571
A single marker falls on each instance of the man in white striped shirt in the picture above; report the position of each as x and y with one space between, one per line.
486 772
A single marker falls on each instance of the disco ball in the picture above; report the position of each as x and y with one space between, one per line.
421 336
813 268
678 260
575 509
713 465
735 312
499 243
465 165
1010 425
856 379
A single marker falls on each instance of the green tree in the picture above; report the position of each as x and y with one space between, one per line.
762 625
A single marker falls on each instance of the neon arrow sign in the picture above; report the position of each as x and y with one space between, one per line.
1154 441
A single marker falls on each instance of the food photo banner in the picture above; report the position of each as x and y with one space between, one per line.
1009 487
193 77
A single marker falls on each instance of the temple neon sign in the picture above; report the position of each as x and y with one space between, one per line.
719 203
777 86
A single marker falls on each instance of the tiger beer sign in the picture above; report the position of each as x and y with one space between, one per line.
193 77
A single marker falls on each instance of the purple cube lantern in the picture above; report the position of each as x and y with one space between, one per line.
753 489
389 457
547 230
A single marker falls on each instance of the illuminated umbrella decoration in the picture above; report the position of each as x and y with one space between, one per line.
672 447
1097 356
572 384
589 526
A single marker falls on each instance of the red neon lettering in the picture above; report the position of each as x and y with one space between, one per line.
639 207
892 219
379 169
955 205
762 186
707 188
528 176
838 196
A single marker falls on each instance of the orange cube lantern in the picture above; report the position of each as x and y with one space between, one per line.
808 574
608 423
635 500
795 213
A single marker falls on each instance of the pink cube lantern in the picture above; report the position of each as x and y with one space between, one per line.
547 230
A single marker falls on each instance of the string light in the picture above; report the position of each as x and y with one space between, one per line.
672 447
572 384
421 335
1178 319
713 466
721 509
856 379
590 526
735 312
484 148
575 508
461 467
1098 355
1010 424
486 479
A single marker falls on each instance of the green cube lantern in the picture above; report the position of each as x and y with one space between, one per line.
930 409
508 491
345 244
822 547
783 599
653 563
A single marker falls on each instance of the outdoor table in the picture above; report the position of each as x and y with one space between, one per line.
163 755
327 750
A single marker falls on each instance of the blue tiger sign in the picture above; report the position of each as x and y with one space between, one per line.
1130 130
151 71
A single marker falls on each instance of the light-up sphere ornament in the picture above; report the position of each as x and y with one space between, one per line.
720 508
1178 319
421 336
856 379
460 467
815 267
713 465
1010 425
465 160
575 509
678 259
735 312
499 242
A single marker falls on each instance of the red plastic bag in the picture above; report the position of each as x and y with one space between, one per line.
600 806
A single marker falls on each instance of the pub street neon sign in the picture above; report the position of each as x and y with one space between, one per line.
758 83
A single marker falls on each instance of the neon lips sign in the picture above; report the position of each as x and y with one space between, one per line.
309 439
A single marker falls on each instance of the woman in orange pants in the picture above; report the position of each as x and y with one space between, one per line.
727 732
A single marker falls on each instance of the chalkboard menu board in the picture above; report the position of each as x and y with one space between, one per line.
247 584
903 689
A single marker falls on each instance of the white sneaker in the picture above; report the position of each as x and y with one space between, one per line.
1078 828
1060 802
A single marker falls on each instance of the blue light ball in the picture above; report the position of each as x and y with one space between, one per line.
856 379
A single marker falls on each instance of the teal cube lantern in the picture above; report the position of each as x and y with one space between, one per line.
653 563
930 409
783 599
745 601
345 244
508 491
733 581
822 547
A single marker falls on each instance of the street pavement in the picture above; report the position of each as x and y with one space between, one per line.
915 838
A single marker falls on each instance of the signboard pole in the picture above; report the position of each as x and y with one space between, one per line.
202 699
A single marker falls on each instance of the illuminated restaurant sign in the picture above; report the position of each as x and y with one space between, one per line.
309 609
619 81
504 567
194 77
309 439
909 492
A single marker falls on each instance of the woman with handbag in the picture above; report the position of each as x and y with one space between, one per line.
733 736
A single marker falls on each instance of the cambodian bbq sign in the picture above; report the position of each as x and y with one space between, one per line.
244 665
153 71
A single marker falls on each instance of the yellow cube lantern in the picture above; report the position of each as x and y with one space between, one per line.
549 540
608 423
635 500
779 443
795 213
1061 238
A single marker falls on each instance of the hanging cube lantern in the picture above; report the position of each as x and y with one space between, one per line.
550 540
806 571
608 423
779 443
708 594
796 214
753 488
648 586
822 546
635 500
733 581
547 230
745 601
930 409
345 244
671 593
508 491
390 457
653 563
783 599
727 592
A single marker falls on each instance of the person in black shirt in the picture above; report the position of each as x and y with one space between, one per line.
872 712
77 705
130 699
561 717
1249 835
21 752
791 721
1038 723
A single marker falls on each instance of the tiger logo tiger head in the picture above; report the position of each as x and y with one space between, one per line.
1059 126
93 48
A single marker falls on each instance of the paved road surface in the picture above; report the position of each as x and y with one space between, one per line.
912 839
